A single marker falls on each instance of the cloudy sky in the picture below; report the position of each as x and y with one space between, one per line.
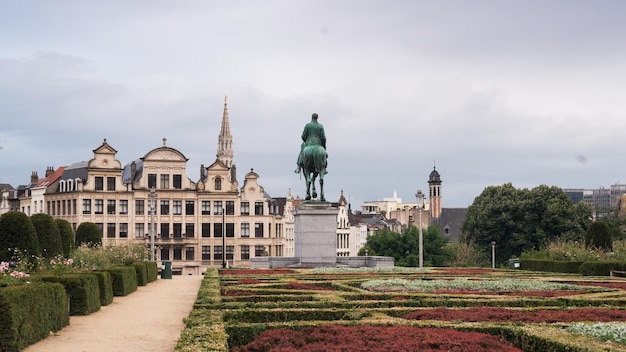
489 92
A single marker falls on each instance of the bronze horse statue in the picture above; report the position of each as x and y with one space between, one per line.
314 166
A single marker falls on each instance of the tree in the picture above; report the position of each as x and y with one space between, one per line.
599 236
67 236
520 219
88 233
50 244
17 233
405 247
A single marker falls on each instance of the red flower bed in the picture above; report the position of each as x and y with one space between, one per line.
503 314
248 281
300 286
330 338
236 293
255 271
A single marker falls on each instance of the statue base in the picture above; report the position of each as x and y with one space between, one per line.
315 233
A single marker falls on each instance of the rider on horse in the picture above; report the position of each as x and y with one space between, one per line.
313 134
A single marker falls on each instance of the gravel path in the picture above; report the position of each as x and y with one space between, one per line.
149 319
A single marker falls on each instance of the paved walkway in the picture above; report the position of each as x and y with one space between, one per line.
149 319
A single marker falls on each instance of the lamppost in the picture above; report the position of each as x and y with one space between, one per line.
420 206
152 207
493 254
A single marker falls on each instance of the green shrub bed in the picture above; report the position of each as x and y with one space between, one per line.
105 285
82 289
29 312
124 280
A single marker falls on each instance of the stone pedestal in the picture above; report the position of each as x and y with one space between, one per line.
315 234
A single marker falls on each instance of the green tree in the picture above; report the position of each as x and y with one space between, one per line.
50 244
519 220
599 236
88 233
67 236
17 233
404 248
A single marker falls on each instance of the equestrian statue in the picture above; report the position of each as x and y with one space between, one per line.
312 158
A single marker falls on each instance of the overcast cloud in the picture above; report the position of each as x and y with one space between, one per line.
527 92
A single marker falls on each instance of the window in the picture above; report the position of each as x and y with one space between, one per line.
206 207
230 229
206 252
165 253
110 183
123 230
178 230
218 184
165 207
230 207
165 230
139 231
151 180
123 206
189 207
139 206
258 229
206 229
99 185
245 252
259 251
245 229
86 206
100 228
178 253
177 181
217 229
217 207
190 230
111 230
177 207
245 208
258 208
189 253
230 252
165 181
217 253
111 206
73 204
62 206
99 206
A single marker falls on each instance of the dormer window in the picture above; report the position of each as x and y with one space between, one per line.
218 184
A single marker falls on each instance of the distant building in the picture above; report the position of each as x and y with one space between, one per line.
604 201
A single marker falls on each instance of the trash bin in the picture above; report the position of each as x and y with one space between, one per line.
166 269
514 263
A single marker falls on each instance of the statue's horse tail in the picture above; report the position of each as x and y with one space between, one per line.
314 159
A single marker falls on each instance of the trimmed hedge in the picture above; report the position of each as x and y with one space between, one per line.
555 266
601 268
106 287
82 289
124 280
153 271
142 273
29 312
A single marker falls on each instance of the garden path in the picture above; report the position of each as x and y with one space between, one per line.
149 319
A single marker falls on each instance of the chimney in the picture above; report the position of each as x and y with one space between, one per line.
33 177
49 171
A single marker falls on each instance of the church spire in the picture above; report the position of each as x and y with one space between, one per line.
225 140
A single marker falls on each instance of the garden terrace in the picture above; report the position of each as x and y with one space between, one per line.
243 310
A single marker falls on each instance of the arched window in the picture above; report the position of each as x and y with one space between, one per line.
62 186
70 185
218 183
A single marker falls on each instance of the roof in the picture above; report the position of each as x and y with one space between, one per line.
450 222
47 181
6 186
76 170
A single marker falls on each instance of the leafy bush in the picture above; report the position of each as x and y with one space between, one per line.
598 236
601 268
67 236
28 313
50 244
83 291
100 258
88 233
17 233
124 280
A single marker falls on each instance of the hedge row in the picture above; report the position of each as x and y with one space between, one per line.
82 289
590 268
204 328
124 280
29 312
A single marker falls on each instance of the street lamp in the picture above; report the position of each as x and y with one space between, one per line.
420 206
152 207
493 254
223 240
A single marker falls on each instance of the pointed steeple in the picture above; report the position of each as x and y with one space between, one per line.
225 140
